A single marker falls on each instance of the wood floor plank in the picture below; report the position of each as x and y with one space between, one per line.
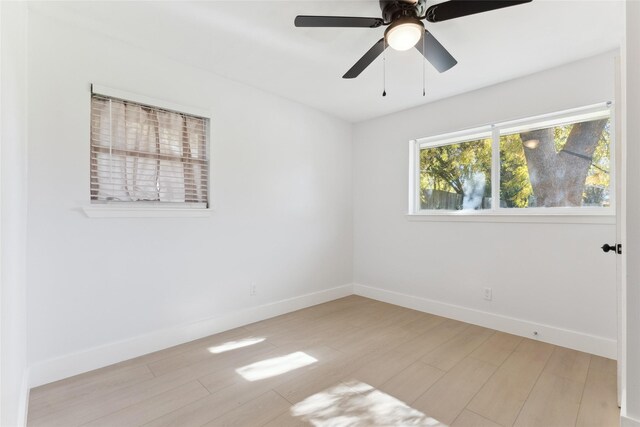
349 307
497 348
150 409
256 412
447 398
317 333
372 339
598 407
569 364
423 323
282 322
502 397
297 389
356 404
220 379
211 407
554 401
433 338
471 419
397 317
384 367
450 353
89 386
287 419
202 353
412 382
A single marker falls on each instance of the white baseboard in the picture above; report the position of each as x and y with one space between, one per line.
108 354
563 337
628 422
23 404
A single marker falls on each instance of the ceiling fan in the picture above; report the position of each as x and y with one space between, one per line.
405 27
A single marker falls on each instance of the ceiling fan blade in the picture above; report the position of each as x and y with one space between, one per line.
337 21
435 53
366 60
458 8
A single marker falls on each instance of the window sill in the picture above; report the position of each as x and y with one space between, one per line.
110 211
560 218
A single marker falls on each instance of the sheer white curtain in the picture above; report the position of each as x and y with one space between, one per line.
171 176
144 154
140 173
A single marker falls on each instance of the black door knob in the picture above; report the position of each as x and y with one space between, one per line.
607 247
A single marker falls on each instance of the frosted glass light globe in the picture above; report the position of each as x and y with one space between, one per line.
404 33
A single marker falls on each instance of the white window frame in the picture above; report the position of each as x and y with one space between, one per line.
151 210
497 213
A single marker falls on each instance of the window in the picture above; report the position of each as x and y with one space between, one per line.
456 176
147 155
559 163
562 165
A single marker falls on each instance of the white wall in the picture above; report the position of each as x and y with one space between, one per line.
631 385
13 366
281 188
548 277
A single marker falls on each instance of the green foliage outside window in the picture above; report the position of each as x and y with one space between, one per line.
451 172
561 166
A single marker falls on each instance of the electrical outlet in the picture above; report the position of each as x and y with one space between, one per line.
252 289
487 294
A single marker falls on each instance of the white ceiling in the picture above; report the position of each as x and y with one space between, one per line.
255 42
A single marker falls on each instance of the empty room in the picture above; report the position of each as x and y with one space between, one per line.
320 213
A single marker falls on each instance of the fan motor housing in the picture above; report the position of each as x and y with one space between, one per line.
394 9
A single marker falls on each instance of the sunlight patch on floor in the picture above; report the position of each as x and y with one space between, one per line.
276 366
233 345
358 404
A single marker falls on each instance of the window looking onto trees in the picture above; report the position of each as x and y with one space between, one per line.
559 161
456 176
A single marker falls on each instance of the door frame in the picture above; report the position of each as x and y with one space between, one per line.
621 218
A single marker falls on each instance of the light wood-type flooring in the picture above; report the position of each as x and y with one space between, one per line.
349 362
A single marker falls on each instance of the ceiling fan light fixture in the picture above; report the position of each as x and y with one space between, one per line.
404 33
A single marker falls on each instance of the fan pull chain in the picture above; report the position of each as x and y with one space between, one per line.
424 60
384 67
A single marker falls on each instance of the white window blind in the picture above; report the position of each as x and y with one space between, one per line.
147 155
